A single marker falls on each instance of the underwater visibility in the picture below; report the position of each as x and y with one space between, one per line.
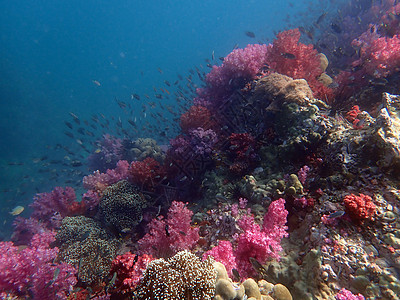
200 150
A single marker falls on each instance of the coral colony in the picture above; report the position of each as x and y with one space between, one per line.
283 183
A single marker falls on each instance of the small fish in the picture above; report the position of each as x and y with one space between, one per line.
250 34
96 82
112 281
69 125
17 210
212 55
55 276
336 214
288 55
336 28
321 18
97 151
236 274
159 70
167 230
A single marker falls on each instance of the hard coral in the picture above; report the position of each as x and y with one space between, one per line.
31 272
359 208
168 236
121 206
82 241
183 276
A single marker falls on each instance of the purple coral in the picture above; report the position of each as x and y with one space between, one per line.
52 207
168 236
32 272
202 141
240 66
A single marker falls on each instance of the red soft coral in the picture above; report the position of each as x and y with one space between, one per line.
379 56
359 208
129 268
196 116
168 236
289 57
146 174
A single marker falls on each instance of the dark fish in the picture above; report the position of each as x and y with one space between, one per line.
321 18
336 28
69 134
69 125
378 81
112 281
288 55
250 34
167 230
236 274
81 130
135 96
159 70
258 267
336 214
76 163
167 82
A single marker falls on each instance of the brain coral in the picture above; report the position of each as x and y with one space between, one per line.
183 276
84 244
121 205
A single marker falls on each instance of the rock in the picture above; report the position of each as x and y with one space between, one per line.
221 271
265 287
360 283
225 289
280 292
251 289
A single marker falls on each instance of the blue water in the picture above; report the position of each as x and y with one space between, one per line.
54 52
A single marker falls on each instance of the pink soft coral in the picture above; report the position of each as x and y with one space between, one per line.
347 295
31 271
261 243
168 236
223 253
